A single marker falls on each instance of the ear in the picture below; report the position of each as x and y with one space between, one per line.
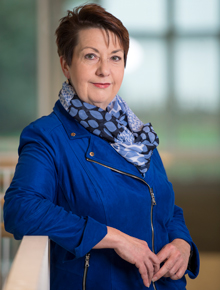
65 67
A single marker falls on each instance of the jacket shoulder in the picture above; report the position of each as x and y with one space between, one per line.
40 131
45 123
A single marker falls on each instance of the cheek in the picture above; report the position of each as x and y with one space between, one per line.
78 80
77 70
83 75
119 77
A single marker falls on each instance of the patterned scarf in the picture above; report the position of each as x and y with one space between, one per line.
118 125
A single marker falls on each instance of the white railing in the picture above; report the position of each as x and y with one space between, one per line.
7 245
30 269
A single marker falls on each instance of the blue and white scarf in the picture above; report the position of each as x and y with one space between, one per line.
118 125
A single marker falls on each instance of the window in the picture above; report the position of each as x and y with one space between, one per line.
171 79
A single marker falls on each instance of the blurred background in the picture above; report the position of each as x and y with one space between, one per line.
172 80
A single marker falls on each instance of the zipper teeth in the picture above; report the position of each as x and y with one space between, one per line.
152 228
85 270
153 202
119 171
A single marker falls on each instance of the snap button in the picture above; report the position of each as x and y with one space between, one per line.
73 134
92 154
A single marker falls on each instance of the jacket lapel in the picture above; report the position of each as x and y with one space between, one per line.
99 150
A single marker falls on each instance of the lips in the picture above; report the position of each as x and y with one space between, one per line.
102 85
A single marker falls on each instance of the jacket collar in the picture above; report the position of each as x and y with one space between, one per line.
99 150
73 129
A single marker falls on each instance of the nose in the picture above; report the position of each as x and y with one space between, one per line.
103 69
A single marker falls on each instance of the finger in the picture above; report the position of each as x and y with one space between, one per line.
178 275
156 268
172 271
156 263
180 272
165 252
144 275
163 271
154 258
168 265
150 269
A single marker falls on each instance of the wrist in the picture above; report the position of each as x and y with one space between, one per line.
112 240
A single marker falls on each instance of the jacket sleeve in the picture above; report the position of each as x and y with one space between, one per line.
177 229
30 202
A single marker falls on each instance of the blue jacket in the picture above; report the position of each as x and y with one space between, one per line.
70 184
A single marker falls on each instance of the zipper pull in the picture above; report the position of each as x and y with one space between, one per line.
87 260
152 196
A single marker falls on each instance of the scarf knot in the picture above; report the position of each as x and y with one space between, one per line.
118 125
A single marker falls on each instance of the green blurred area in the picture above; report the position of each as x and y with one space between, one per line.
18 62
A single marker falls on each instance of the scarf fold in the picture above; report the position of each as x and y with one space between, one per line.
118 125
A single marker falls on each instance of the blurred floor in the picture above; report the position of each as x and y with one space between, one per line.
209 275
200 201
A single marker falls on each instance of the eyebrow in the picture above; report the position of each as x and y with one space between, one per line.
89 47
96 50
115 51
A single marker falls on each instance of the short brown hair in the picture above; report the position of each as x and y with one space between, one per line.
83 17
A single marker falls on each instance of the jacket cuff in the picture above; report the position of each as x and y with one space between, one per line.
194 262
94 232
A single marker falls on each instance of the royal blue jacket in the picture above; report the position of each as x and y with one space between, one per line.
70 184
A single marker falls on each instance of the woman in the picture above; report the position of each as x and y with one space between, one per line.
90 177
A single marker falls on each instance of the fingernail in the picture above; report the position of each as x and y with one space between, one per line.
154 279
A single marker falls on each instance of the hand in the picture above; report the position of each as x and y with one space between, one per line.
132 250
175 256
137 252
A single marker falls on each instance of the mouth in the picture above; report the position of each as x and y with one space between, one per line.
101 85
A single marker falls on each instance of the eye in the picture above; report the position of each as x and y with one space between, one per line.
90 56
116 58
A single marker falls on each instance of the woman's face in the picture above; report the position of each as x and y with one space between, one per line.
97 67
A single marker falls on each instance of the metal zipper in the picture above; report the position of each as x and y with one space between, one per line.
85 270
153 201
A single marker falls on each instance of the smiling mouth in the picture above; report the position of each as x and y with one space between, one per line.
101 85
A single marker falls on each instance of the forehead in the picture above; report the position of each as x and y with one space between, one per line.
97 37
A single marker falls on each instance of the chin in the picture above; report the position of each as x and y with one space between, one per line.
101 101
